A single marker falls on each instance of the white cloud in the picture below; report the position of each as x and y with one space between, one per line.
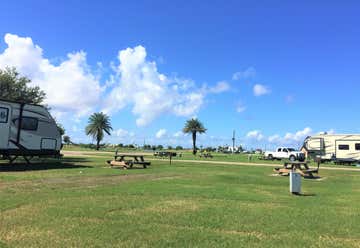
255 135
240 108
260 90
161 133
291 138
69 86
248 73
289 99
75 128
149 92
299 135
178 134
121 133
331 131
274 138
73 89
220 87
183 83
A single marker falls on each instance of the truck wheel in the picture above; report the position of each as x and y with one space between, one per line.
270 157
292 158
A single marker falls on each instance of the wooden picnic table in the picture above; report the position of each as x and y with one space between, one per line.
296 165
205 155
128 160
301 167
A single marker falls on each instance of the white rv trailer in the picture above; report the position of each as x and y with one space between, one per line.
27 130
333 147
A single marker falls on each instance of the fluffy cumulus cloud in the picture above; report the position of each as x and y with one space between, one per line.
260 90
246 74
161 133
150 93
291 138
72 87
69 86
255 135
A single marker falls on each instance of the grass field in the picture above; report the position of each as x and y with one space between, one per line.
83 203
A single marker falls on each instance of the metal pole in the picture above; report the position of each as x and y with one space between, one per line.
233 140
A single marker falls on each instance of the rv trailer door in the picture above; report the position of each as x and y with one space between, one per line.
5 113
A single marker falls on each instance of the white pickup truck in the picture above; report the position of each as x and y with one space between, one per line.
285 153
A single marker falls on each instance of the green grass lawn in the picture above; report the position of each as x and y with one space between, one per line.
83 203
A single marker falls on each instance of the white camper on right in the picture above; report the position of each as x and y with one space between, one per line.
333 147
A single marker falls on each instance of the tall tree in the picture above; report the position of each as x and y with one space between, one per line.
67 139
16 88
60 127
97 125
194 126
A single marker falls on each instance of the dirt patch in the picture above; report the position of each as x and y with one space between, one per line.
258 235
332 241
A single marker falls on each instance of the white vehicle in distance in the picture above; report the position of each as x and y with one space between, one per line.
285 153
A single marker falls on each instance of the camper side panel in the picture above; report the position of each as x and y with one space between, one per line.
5 114
348 149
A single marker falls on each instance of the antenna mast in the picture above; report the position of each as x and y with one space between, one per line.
233 140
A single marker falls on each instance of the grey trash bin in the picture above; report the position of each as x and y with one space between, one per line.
295 182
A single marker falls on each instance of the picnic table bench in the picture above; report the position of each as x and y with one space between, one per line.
301 167
165 154
128 160
205 155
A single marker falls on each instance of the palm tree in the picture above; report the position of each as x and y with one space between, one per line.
98 124
194 126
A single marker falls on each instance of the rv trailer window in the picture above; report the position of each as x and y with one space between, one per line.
4 113
343 147
357 147
28 123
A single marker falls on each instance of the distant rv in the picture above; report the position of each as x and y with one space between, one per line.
333 147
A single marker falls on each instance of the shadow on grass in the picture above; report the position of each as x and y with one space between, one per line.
303 194
48 164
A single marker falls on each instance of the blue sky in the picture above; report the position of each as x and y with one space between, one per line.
303 56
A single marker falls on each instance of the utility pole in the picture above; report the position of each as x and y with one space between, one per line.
233 140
